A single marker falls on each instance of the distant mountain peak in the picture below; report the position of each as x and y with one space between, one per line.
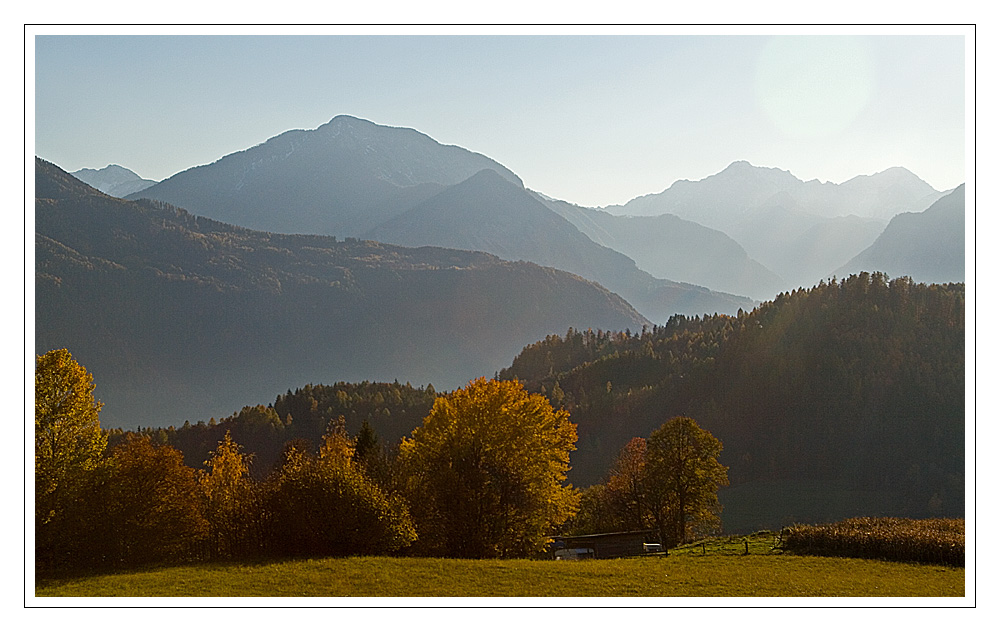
896 179
359 127
114 180
342 178
343 122
115 168
347 118
491 176
742 167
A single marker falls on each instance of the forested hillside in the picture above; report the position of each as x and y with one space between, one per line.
180 317
848 397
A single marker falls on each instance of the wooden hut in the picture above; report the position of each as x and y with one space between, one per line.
604 545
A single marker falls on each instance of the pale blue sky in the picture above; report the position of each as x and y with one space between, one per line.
595 120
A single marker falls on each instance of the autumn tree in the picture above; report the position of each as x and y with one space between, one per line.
626 488
486 472
69 446
325 505
619 502
232 501
152 503
681 478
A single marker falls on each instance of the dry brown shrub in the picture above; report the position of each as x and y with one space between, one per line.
933 541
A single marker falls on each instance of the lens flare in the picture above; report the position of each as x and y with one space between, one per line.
813 87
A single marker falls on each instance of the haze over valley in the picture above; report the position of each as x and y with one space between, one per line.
355 180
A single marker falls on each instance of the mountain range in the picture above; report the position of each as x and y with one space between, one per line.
713 245
802 231
726 198
179 316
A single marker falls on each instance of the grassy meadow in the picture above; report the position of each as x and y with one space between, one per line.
723 567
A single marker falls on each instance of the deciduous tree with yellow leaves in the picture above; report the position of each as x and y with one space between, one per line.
486 472
232 501
69 446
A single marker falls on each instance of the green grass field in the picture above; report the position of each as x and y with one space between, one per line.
721 569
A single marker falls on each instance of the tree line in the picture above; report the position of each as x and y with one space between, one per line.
483 476
393 409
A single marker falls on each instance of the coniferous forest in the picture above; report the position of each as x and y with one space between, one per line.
857 385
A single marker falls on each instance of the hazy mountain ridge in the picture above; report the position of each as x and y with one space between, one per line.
803 247
738 188
491 214
798 230
720 199
927 246
114 180
179 316
668 246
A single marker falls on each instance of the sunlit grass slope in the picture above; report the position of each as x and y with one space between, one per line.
722 570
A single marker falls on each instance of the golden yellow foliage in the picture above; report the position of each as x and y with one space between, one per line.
486 472
69 446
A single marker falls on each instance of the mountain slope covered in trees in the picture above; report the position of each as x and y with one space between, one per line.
845 399
181 317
